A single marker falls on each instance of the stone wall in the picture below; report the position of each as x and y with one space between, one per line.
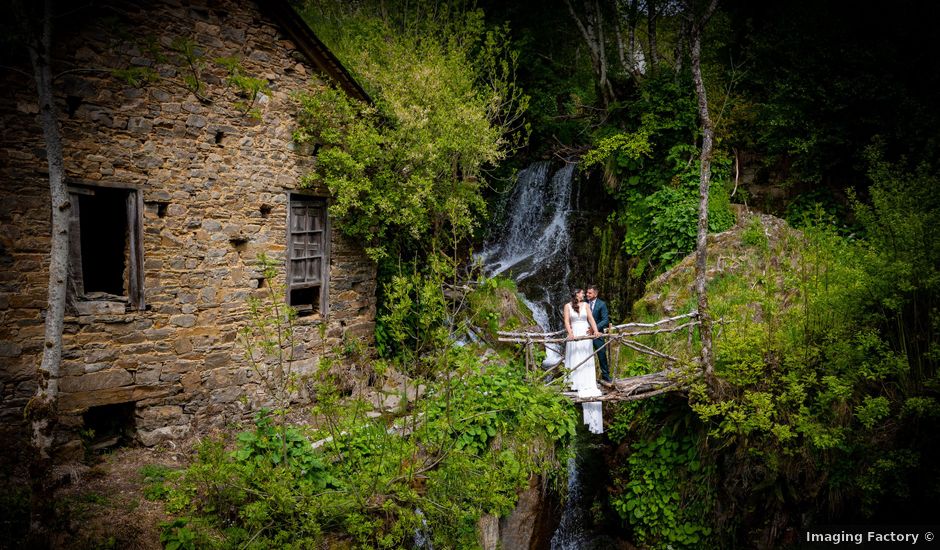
214 183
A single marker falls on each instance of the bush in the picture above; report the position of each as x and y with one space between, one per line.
466 450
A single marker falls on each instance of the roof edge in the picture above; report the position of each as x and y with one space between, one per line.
312 47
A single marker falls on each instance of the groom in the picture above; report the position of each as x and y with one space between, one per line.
602 319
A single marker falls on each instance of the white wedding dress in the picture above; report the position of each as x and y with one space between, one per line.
582 377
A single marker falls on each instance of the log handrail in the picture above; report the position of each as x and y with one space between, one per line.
612 332
621 389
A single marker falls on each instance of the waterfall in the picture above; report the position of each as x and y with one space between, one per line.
532 246
422 538
577 529
570 533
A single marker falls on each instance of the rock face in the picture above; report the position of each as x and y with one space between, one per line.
529 526
197 185
531 523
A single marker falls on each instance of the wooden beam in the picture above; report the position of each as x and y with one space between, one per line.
636 387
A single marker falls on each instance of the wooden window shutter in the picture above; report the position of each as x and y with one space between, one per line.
76 286
135 277
308 254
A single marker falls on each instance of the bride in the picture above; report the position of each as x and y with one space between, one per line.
579 359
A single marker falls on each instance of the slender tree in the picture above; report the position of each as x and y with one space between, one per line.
592 30
628 53
708 137
651 20
41 411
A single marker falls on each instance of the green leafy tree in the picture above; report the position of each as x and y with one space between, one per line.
653 173
408 173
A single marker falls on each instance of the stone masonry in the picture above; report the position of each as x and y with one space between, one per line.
215 184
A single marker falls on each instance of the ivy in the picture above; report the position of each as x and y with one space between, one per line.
667 494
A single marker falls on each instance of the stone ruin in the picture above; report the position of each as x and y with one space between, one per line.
176 190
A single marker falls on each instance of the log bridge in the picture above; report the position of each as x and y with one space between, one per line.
631 388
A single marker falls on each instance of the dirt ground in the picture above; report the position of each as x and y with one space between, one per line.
105 507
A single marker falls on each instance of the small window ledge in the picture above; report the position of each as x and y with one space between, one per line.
309 319
100 307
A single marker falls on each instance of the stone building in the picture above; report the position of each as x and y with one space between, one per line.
179 178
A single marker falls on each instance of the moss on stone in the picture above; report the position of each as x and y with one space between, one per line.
496 305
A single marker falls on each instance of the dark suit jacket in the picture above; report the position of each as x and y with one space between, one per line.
601 316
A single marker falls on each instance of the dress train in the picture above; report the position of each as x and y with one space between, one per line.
579 361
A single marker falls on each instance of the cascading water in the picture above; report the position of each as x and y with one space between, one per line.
577 529
570 533
533 248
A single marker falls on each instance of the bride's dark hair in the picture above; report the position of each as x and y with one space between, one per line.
574 299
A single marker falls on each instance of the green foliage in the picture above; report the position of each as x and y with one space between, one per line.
155 477
653 172
415 314
815 208
621 150
249 87
824 358
406 175
495 305
793 368
177 536
872 410
465 450
256 488
186 534
268 335
900 227
266 447
753 235
191 58
493 402
667 492
137 76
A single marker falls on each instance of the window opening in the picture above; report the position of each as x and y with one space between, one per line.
108 426
308 261
104 241
105 256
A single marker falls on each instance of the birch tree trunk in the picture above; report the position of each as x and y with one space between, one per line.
651 32
41 411
592 30
708 136
628 57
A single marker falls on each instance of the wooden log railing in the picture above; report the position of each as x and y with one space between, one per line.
623 335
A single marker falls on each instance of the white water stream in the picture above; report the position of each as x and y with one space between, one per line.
533 248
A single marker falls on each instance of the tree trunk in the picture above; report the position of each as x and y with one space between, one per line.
708 135
41 410
592 30
627 53
679 51
651 31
